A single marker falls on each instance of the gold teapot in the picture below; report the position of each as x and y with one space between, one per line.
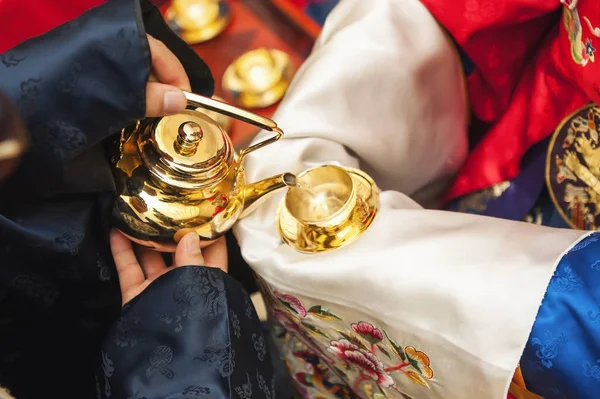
179 174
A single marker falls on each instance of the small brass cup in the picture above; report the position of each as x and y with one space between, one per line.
258 78
331 208
327 200
197 21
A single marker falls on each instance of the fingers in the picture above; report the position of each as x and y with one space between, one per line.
166 67
188 252
152 262
167 79
216 255
129 270
162 100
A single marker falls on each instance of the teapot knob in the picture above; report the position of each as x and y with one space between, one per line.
188 138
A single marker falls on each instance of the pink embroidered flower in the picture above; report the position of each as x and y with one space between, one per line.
366 362
368 332
292 302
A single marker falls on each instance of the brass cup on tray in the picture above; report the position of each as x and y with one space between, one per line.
258 78
197 21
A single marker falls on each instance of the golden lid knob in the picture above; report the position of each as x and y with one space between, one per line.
188 150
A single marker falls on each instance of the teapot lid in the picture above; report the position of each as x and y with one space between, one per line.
192 149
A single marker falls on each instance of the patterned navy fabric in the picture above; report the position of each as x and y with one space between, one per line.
562 357
58 287
192 333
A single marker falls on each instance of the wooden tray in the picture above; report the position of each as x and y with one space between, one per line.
255 24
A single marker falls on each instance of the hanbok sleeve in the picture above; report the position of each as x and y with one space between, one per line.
192 333
83 81
561 359
383 91
86 77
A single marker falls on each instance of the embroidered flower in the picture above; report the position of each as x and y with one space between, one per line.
368 332
420 361
366 362
292 303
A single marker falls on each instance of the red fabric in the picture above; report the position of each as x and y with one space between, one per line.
525 82
23 19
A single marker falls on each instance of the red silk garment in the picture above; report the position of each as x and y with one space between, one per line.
23 19
526 80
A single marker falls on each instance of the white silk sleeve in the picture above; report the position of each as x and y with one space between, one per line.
383 92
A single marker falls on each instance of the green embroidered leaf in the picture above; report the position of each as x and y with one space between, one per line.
322 313
397 349
353 338
314 329
384 351
287 305
415 364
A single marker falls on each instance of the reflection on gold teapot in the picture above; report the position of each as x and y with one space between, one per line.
181 174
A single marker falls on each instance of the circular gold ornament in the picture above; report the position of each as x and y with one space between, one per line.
197 21
258 78
573 168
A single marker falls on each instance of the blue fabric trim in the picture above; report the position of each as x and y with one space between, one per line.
562 356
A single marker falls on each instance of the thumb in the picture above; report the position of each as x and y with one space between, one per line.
162 100
188 252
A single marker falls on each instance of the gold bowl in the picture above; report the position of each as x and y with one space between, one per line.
197 21
331 207
258 78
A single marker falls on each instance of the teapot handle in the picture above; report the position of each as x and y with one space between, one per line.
240 114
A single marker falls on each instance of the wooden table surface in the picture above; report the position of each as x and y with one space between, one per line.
255 24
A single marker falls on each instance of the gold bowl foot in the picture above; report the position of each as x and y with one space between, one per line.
331 207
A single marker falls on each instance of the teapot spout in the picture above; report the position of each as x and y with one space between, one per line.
256 193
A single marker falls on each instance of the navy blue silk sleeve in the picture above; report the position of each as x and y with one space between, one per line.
77 84
562 356
192 333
